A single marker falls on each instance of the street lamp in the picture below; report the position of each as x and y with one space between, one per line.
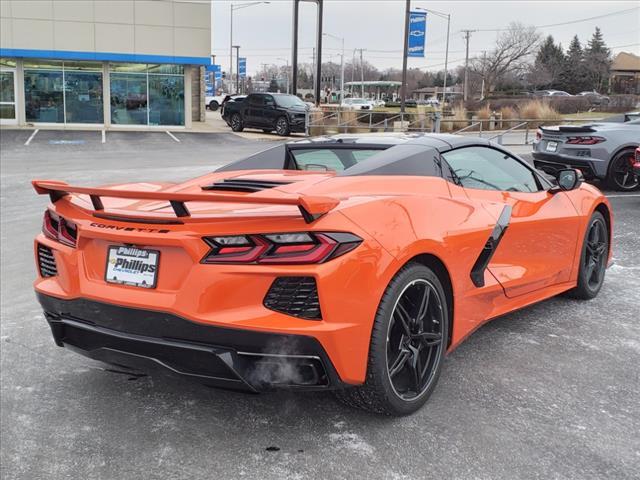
446 55
237 47
232 8
341 65
287 63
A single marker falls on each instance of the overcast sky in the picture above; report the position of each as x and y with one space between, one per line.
264 31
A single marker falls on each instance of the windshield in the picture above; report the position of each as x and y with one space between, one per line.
358 100
289 101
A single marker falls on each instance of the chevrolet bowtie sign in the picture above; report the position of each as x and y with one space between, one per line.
417 34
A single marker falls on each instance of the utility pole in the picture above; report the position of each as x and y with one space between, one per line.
361 70
287 70
231 47
237 47
467 36
405 54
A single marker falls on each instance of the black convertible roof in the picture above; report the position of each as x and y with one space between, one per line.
400 153
416 154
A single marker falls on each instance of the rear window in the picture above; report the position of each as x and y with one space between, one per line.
318 158
326 159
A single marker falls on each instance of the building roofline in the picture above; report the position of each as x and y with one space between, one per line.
103 56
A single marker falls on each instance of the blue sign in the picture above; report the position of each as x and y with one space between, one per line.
417 34
212 76
242 67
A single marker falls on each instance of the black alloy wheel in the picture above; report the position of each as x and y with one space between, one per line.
236 123
593 260
621 174
408 343
282 127
414 339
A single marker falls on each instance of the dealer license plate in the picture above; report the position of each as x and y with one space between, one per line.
132 266
552 146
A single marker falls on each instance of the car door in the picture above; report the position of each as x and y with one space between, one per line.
251 109
538 247
269 112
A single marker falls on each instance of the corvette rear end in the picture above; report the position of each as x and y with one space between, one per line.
231 292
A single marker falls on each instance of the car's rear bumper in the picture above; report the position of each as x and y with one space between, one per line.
550 163
232 358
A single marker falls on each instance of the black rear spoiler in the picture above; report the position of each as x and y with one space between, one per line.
570 129
311 207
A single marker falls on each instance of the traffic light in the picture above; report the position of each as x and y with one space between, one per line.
224 75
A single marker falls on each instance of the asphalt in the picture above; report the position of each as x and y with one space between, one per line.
551 391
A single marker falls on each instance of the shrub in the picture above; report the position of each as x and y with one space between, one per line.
537 110
459 113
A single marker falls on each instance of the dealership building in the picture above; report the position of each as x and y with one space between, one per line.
111 64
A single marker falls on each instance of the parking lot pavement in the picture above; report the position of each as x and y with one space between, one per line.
548 392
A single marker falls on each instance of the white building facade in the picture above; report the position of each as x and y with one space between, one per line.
103 63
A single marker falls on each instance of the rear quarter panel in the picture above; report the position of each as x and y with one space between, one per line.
453 230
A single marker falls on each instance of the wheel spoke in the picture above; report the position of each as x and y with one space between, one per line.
591 266
428 339
404 318
424 303
415 368
399 363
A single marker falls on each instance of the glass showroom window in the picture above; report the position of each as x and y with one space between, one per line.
144 94
7 90
63 92
83 92
43 91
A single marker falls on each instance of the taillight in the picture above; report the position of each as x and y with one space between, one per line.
280 248
588 140
57 228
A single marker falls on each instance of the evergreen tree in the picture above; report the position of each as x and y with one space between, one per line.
273 85
573 77
597 59
549 64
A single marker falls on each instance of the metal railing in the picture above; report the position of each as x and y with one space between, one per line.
358 121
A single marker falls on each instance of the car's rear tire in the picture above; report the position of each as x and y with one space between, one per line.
593 259
621 175
282 127
236 123
408 343
213 105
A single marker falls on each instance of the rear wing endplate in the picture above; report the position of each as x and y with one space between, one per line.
311 207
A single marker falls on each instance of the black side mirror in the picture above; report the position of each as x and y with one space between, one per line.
568 179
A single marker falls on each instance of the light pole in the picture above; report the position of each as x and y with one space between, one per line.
446 54
403 97
341 65
232 8
237 47
287 62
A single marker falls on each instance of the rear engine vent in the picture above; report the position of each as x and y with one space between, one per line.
46 262
296 296
240 185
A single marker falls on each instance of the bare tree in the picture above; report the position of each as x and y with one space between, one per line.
511 55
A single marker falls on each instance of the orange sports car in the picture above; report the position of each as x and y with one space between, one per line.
352 263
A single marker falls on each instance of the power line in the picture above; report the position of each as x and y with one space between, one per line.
571 22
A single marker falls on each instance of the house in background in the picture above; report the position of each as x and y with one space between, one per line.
624 75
